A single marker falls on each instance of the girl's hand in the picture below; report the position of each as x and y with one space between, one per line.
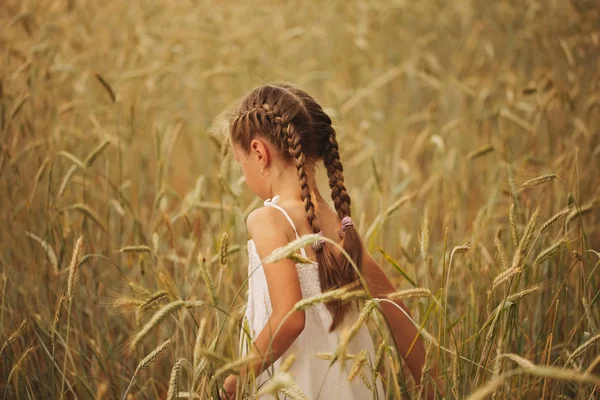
229 386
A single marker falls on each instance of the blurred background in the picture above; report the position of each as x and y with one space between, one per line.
112 124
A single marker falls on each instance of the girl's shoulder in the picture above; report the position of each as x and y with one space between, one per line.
266 221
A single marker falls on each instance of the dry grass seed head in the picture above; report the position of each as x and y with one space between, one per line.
514 225
581 349
548 252
287 363
410 293
74 268
233 367
505 276
381 350
455 373
523 293
359 361
15 369
154 355
590 317
205 273
174 381
156 319
575 212
20 331
555 218
60 308
154 300
136 249
198 344
501 253
223 249
538 181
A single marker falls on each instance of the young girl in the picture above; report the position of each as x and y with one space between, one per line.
279 134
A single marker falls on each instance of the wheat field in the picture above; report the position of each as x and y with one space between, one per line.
469 132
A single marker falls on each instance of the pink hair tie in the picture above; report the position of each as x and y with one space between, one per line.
318 244
346 222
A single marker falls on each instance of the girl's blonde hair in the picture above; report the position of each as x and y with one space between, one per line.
296 124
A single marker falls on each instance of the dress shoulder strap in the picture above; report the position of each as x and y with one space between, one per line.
273 203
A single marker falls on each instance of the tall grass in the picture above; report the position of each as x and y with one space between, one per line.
465 121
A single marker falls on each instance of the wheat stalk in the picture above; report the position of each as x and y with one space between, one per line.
343 294
223 248
348 334
298 259
148 360
523 362
21 329
138 291
523 293
425 378
480 152
589 316
94 154
280 381
63 186
455 374
575 212
20 362
365 380
60 308
505 276
154 299
555 218
514 226
198 345
174 381
547 253
205 273
410 293
528 232
88 212
594 367
290 248
538 181
425 235
74 268
136 249
498 364
501 253
381 350
235 366
581 349
287 363
156 319
359 361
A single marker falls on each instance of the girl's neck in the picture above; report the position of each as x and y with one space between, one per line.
285 184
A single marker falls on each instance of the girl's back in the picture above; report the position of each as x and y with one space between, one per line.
313 373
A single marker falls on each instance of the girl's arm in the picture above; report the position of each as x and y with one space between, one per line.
264 225
403 330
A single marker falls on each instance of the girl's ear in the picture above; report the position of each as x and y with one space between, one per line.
260 150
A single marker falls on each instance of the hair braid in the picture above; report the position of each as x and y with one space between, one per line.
335 173
295 149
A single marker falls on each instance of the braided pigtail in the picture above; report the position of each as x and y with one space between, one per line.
351 241
330 274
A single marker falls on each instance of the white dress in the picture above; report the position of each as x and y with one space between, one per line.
313 375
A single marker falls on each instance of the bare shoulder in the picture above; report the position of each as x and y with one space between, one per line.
265 220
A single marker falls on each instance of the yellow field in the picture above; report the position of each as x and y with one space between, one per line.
466 121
